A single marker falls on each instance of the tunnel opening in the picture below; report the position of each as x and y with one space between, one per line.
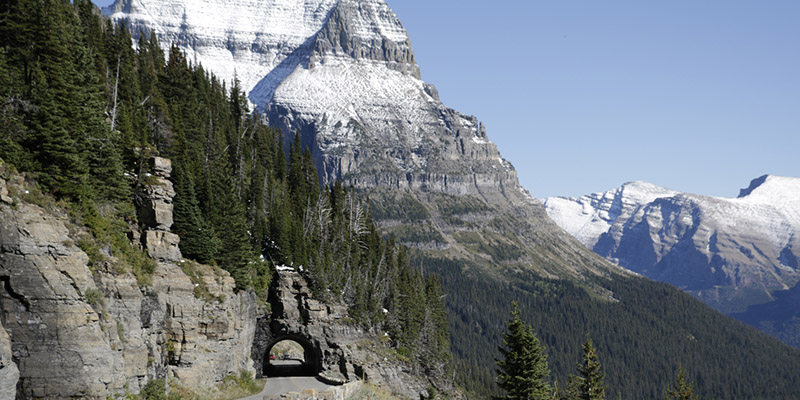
291 355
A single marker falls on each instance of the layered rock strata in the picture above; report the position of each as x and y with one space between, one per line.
77 331
154 205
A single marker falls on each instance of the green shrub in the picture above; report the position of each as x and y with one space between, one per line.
155 389
108 225
243 381
121 331
94 297
89 246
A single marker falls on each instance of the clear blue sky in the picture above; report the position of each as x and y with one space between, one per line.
581 96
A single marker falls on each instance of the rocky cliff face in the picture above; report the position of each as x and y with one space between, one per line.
68 330
731 253
343 74
334 349
9 373
93 333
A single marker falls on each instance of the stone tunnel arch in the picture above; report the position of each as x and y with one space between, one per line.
311 365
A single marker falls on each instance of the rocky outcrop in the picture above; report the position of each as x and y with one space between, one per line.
154 199
162 246
4 192
68 330
9 374
335 350
93 333
154 206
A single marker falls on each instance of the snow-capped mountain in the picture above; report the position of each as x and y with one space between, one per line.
334 70
342 73
730 252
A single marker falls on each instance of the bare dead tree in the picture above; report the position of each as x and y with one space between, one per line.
116 90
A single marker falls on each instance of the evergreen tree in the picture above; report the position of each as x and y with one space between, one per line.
198 240
589 381
523 371
438 340
226 214
572 389
683 390
57 141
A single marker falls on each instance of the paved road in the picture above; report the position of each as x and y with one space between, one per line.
286 362
284 385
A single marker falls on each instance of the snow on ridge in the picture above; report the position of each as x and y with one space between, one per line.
378 20
641 192
243 38
260 42
775 189
365 91
770 211
588 217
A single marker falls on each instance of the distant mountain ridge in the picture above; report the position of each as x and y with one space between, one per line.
730 252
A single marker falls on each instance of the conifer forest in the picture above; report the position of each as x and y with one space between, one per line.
83 111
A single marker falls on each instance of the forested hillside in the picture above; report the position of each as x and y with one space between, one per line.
82 113
642 336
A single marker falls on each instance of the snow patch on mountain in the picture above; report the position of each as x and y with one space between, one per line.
587 217
384 100
246 39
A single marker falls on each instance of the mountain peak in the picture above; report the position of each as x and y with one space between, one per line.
262 42
588 217
638 190
753 185
368 30
772 189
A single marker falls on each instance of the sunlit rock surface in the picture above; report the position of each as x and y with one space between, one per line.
730 252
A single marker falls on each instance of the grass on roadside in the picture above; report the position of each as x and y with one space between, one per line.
232 387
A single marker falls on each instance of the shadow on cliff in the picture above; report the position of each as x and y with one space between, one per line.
262 93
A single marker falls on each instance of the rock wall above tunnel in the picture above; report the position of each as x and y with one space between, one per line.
346 352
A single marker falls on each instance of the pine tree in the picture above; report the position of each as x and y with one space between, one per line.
683 390
523 371
198 240
59 143
227 216
589 382
436 321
